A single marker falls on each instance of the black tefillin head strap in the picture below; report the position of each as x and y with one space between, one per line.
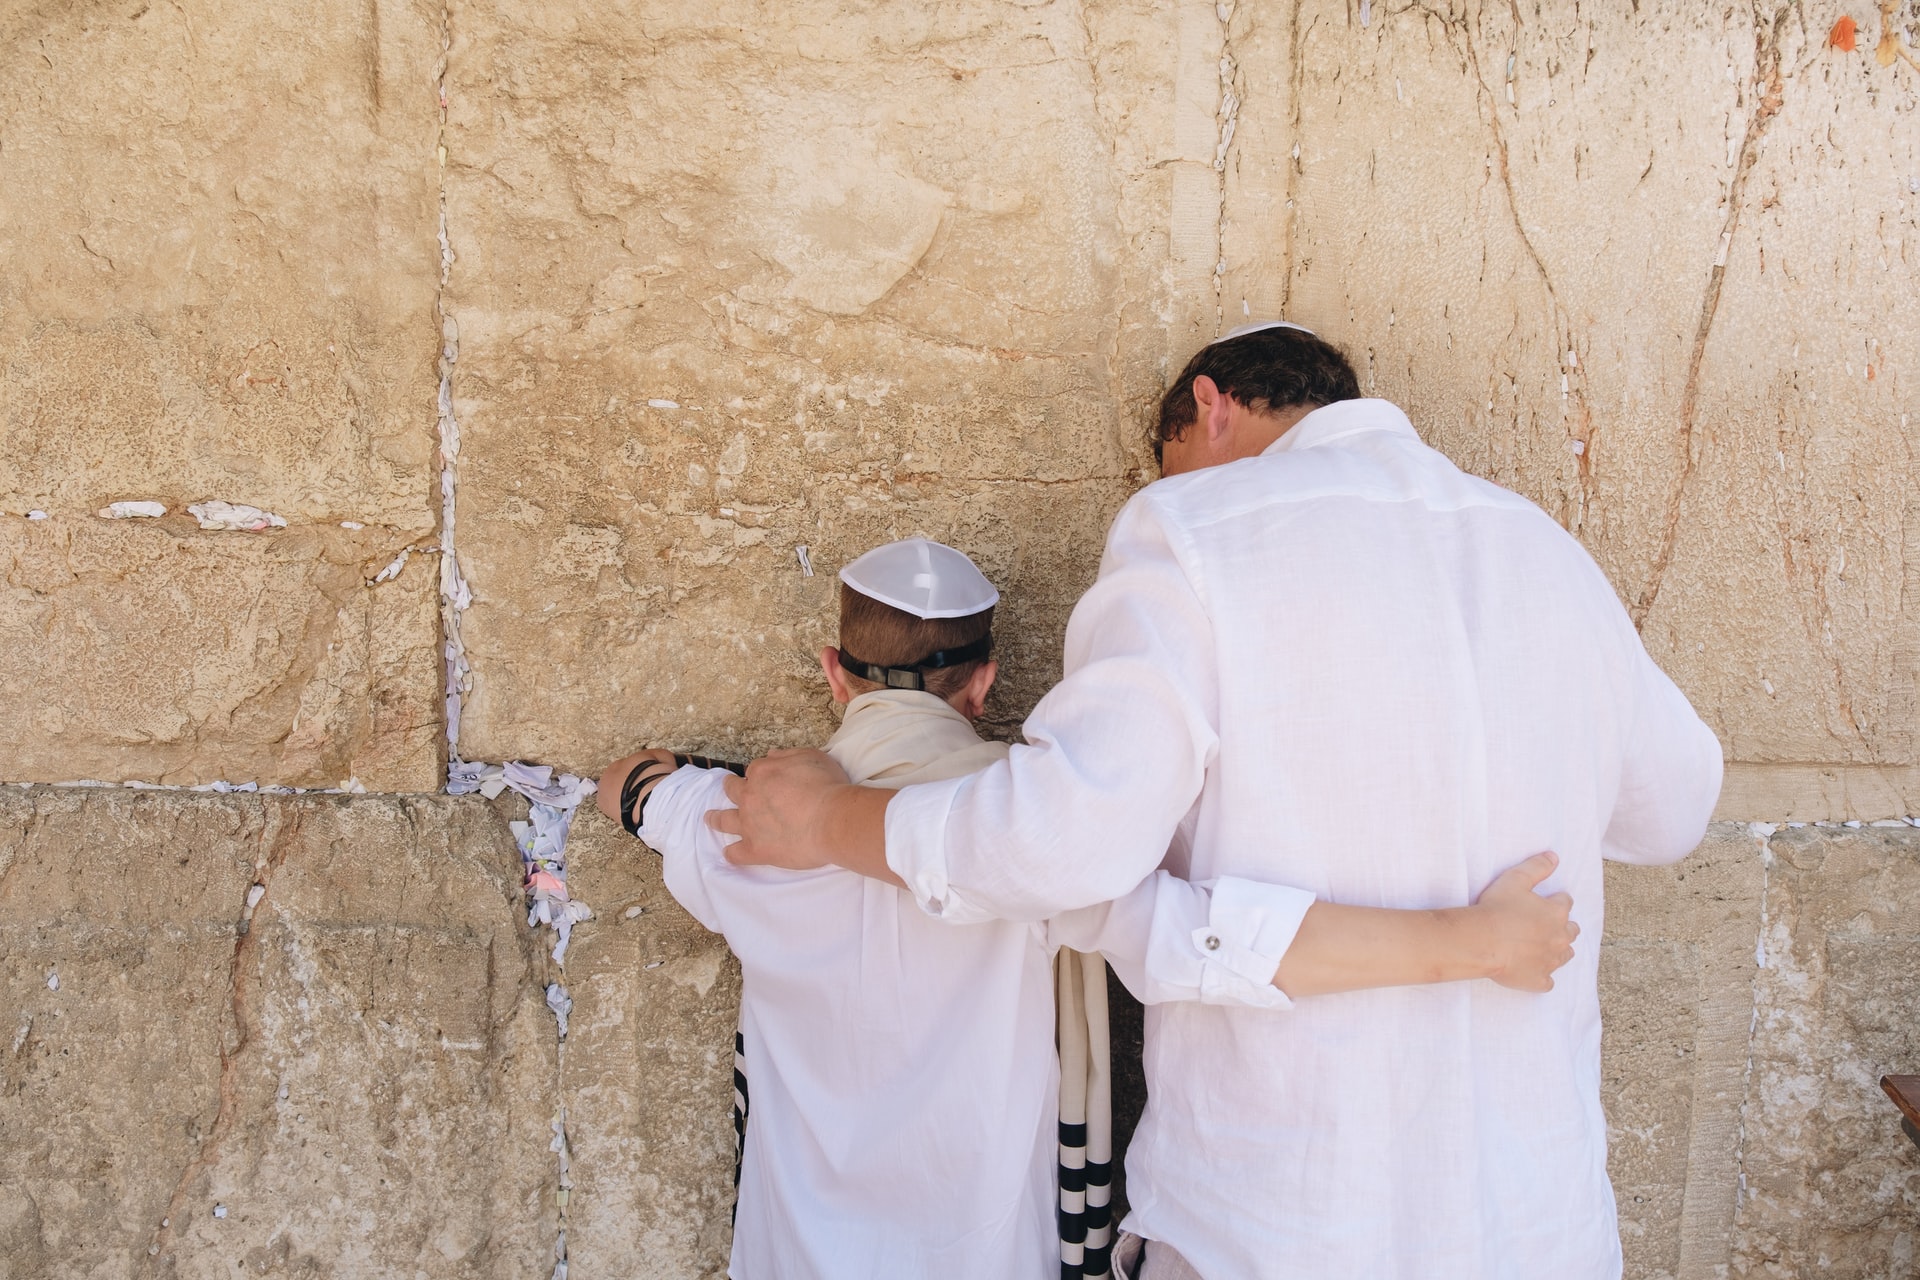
913 677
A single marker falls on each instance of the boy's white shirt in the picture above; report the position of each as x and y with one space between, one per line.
901 1078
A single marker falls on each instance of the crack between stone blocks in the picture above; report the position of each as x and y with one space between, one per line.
455 595
276 840
1091 55
1565 346
1295 75
1762 833
221 786
1767 87
562 1147
1226 120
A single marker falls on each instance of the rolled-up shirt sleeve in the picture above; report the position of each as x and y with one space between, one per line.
1115 754
1670 775
1216 942
676 827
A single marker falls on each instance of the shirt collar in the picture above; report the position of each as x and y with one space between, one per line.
887 732
1338 421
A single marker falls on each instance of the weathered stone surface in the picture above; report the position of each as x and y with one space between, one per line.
648 1072
218 271
1819 792
150 650
218 258
1646 267
349 1073
1676 985
1832 1186
737 278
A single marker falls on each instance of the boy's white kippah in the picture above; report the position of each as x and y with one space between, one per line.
926 579
1257 326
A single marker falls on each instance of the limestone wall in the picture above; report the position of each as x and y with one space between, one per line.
551 334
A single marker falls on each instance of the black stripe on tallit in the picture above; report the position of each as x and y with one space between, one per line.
739 1116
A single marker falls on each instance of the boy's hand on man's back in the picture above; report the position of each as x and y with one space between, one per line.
1529 934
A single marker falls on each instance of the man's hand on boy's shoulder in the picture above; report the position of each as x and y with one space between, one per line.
798 810
1528 934
780 815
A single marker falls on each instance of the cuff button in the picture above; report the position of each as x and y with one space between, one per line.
1213 942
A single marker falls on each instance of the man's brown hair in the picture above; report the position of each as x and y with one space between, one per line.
888 637
1267 371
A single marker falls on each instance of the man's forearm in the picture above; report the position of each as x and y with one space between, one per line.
856 832
1341 948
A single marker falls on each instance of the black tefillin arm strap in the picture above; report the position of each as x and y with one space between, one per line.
633 816
913 677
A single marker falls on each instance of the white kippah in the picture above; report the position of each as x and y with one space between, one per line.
923 578
1257 326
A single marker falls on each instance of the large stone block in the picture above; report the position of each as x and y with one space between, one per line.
1832 1186
150 650
218 277
736 279
218 261
1643 266
279 1035
648 1071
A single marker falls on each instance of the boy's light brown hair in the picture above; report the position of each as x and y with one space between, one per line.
888 637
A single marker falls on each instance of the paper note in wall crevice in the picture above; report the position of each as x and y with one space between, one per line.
561 1004
221 516
541 839
130 510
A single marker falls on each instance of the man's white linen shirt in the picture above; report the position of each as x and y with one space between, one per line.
1345 665
901 1082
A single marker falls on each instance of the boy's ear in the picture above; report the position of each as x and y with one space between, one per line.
973 698
836 675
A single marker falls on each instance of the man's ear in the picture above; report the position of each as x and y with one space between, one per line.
1214 408
973 697
836 675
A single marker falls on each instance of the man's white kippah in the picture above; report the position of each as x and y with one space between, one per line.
1257 327
923 578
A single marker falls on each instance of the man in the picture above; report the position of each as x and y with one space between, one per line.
1320 655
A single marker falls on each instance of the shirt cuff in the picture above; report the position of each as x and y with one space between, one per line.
1249 928
917 849
657 823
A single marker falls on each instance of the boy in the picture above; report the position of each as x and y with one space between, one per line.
902 1070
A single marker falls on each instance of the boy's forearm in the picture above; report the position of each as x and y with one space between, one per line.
1342 948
